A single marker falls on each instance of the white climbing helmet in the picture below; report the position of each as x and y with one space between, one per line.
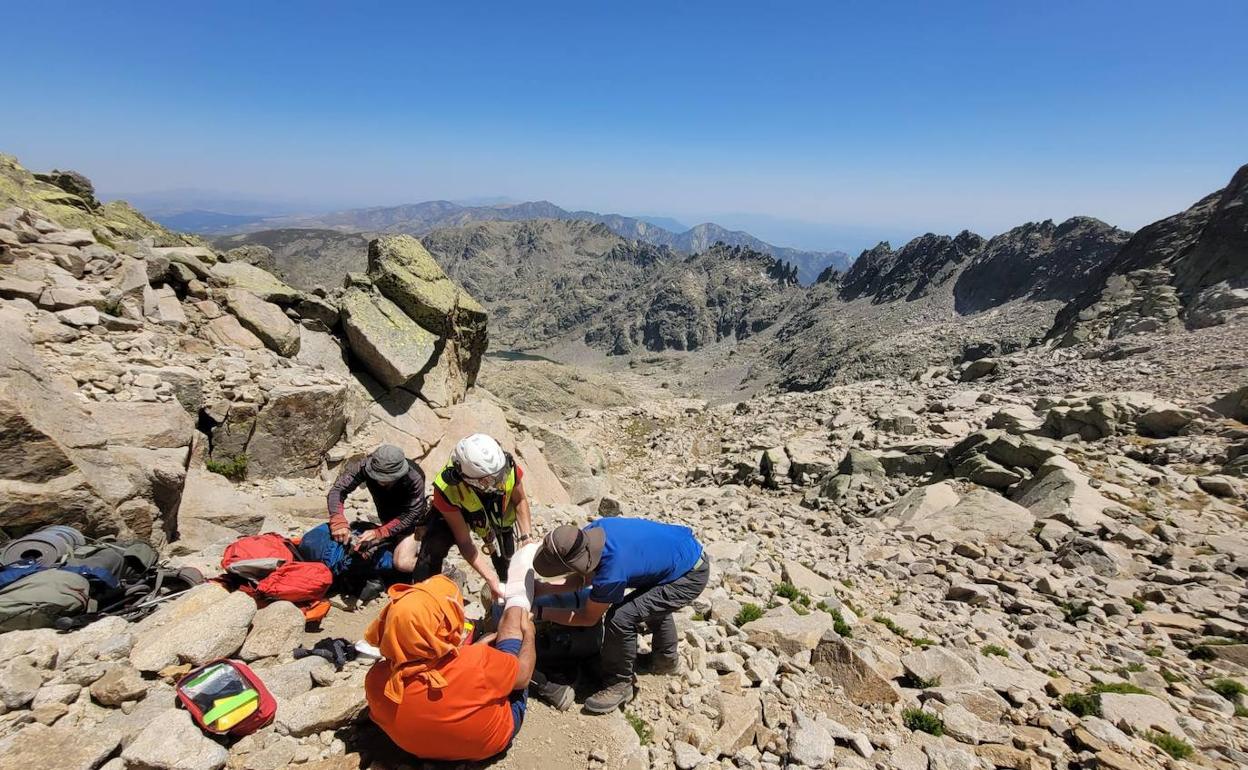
480 461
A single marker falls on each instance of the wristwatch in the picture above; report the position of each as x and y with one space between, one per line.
526 538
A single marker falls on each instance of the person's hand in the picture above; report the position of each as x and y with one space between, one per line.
496 588
341 534
368 541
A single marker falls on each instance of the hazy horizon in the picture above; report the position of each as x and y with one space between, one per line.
804 125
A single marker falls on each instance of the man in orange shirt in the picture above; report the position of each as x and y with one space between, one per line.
436 697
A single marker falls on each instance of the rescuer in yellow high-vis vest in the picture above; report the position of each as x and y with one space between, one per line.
479 490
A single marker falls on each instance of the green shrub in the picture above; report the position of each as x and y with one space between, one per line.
1130 668
921 641
1154 652
1241 712
848 582
1228 688
994 649
1175 747
800 609
1073 613
747 613
1170 676
234 469
644 733
1082 705
838 620
792 593
1202 652
1136 605
923 721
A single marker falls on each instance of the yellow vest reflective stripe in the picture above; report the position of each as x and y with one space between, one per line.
465 498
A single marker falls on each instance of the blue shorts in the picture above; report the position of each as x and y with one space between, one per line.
519 698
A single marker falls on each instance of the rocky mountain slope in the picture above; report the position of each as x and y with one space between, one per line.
125 365
421 218
938 299
1190 270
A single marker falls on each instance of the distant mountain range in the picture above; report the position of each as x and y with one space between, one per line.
423 218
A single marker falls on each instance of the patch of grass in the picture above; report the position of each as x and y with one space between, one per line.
800 609
887 622
1170 676
838 620
747 613
1073 613
699 616
1154 652
234 469
854 608
1228 688
848 582
1130 668
1118 688
793 594
919 683
1082 705
1175 747
643 730
1202 652
923 721
1241 711
1136 605
994 649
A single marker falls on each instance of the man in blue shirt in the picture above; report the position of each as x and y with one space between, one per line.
638 572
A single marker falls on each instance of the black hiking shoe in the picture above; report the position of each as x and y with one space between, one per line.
609 698
558 696
371 590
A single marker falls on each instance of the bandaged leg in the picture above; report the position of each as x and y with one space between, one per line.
519 589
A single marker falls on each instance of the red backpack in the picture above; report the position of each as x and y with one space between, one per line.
268 567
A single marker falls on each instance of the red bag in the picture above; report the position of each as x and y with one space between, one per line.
213 692
268 567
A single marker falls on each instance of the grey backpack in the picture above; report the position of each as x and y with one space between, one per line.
37 600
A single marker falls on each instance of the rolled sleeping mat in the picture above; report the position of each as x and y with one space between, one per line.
70 534
48 547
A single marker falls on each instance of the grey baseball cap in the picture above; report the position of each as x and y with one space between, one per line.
386 463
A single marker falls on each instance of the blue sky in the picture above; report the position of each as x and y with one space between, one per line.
819 124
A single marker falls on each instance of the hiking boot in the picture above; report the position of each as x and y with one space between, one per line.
609 698
559 696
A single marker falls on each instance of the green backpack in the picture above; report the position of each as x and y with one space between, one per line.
37 600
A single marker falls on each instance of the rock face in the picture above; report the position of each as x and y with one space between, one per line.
408 276
1185 267
107 473
393 347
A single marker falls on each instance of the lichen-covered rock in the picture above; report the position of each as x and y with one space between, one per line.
392 346
408 276
266 320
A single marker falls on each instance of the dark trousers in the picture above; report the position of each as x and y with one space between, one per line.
437 542
652 607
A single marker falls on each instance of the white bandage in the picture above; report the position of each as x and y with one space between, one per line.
519 589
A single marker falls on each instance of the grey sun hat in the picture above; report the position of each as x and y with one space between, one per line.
568 549
386 463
